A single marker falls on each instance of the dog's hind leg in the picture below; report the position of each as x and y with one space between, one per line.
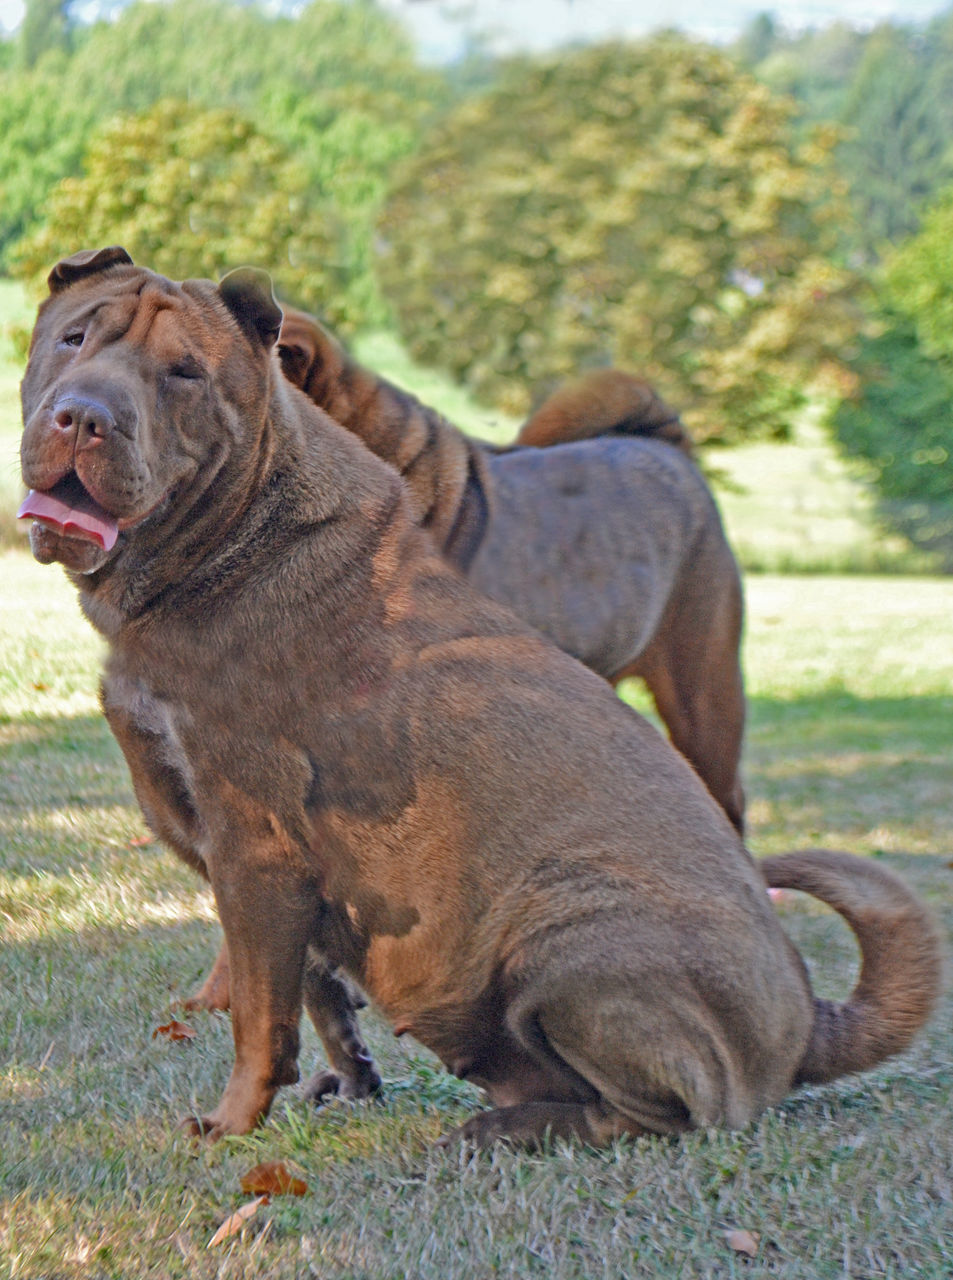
692 669
700 697
534 1124
624 1049
597 1046
332 1005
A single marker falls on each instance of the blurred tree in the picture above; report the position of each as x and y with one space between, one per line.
901 425
641 204
919 279
901 421
350 141
195 192
338 84
41 138
816 66
900 149
760 38
892 89
46 25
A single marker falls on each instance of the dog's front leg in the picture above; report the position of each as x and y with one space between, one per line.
268 914
214 993
159 771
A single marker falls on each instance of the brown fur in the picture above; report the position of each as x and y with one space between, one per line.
610 546
606 401
386 774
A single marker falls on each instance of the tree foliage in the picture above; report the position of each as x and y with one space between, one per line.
901 421
899 150
817 66
46 25
892 90
901 426
195 192
338 84
638 204
919 279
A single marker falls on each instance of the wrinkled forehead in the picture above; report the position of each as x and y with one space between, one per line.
142 308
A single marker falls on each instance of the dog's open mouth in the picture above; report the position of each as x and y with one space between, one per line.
70 511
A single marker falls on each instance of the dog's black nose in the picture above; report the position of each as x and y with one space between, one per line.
86 417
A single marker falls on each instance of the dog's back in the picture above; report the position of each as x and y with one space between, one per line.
589 540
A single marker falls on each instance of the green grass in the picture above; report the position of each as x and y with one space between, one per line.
851 703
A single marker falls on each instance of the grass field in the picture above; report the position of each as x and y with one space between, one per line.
850 683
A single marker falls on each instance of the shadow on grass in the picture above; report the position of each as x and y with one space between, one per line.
54 762
854 763
839 719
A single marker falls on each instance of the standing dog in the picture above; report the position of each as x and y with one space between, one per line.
611 546
378 767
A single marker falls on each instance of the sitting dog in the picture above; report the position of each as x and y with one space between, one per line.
613 548
383 772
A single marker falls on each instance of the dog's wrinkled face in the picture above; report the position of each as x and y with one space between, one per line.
134 389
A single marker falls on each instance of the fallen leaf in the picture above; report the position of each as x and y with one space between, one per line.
175 1031
137 842
40 686
743 1242
234 1223
274 1178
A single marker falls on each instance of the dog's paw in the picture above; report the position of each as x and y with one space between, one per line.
224 1120
200 1128
363 1082
530 1125
213 996
480 1131
203 1003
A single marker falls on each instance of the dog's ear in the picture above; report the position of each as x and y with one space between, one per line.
85 263
296 358
248 294
306 349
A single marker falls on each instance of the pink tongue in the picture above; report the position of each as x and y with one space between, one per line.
86 520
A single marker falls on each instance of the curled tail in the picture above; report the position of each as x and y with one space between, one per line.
605 402
901 961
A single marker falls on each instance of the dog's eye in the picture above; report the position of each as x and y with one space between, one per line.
189 370
74 338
